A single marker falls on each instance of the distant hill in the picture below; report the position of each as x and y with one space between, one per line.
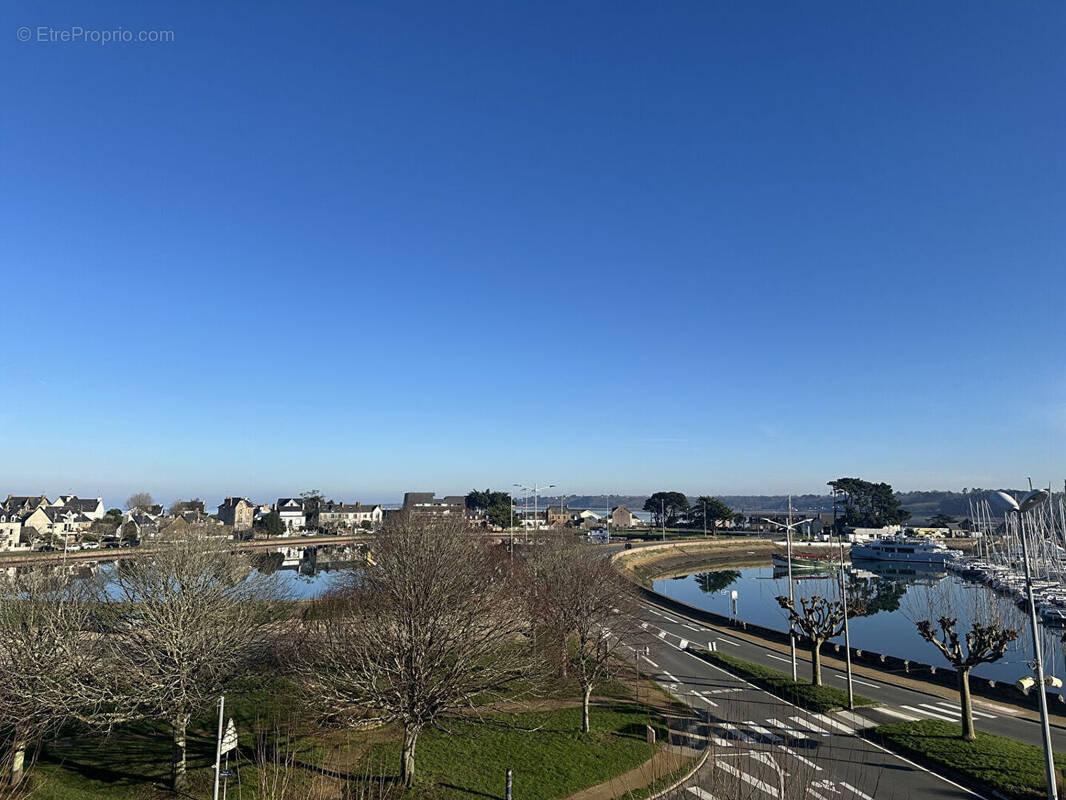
921 504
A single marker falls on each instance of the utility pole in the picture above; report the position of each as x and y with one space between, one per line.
608 518
218 747
791 597
847 635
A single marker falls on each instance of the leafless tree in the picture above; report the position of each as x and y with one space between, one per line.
190 617
818 618
431 626
139 500
584 606
46 655
984 644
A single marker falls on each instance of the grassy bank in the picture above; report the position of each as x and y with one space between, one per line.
1014 768
284 746
800 693
644 564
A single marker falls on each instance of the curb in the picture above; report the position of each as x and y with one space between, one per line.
683 779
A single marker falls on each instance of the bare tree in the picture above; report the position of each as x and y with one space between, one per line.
819 619
46 653
431 626
139 500
193 616
984 644
584 605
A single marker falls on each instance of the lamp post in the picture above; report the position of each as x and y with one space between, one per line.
535 489
788 547
1029 501
847 633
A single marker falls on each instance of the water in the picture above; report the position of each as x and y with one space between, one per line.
303 573
896 597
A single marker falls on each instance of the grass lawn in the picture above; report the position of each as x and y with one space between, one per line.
1014 768
801 693
548 753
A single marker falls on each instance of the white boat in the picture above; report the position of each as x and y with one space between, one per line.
901 548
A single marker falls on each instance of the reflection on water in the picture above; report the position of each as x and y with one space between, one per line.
887 601
303 572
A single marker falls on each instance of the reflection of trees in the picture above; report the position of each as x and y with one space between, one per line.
873 594
716 581
268 563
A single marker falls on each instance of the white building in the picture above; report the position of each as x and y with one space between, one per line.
291 511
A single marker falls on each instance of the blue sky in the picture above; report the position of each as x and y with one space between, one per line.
615 246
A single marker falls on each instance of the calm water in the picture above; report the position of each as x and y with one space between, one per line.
303 572
895 595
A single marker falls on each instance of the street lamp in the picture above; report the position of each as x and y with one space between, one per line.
1029 501
535 489
788 546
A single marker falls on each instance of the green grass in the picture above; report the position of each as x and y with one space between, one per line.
468 759
1014 768
801 693
548 753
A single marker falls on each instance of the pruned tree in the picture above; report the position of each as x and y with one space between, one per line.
193 617
431 626
46 657
985 643
139 500
585 607
819 619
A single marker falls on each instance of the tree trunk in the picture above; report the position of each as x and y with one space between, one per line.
18 760
585 695
407 757
816 662
177 757
969 734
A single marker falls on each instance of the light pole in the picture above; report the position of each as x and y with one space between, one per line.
847 633
608 518
788 548
662 516
1029 501
535 489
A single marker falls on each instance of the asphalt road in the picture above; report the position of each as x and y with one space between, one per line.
763 747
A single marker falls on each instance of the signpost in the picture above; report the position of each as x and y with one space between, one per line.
227 740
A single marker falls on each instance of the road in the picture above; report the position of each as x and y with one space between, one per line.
763 747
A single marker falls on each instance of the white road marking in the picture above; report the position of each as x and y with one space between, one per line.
763 787
727 641
671 678
735 732
692 627
644 625
860 723
859 681
832 723
810 725
705 700
943 715
650 662
773 737
958 709
683 644
900 714
849 787
662 634
778 658
701 794
669 619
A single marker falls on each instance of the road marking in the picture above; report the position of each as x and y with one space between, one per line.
644 625
832 723
653 611
810 725
860 723
778 658
763 787
705 700
671 677
662 634
725 691
958 709
669 619
692 627
863 795
923 713
788 731
796 755
735 732
857 680
727 641
893 713
773 737
701 794
650 662
682 644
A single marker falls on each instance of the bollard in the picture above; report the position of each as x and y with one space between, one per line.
650 733
510 774
906 666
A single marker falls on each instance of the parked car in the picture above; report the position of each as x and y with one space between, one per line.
90 545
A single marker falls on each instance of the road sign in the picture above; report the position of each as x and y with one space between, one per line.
225 773
229 738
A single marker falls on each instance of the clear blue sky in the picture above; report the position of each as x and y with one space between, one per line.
723 247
